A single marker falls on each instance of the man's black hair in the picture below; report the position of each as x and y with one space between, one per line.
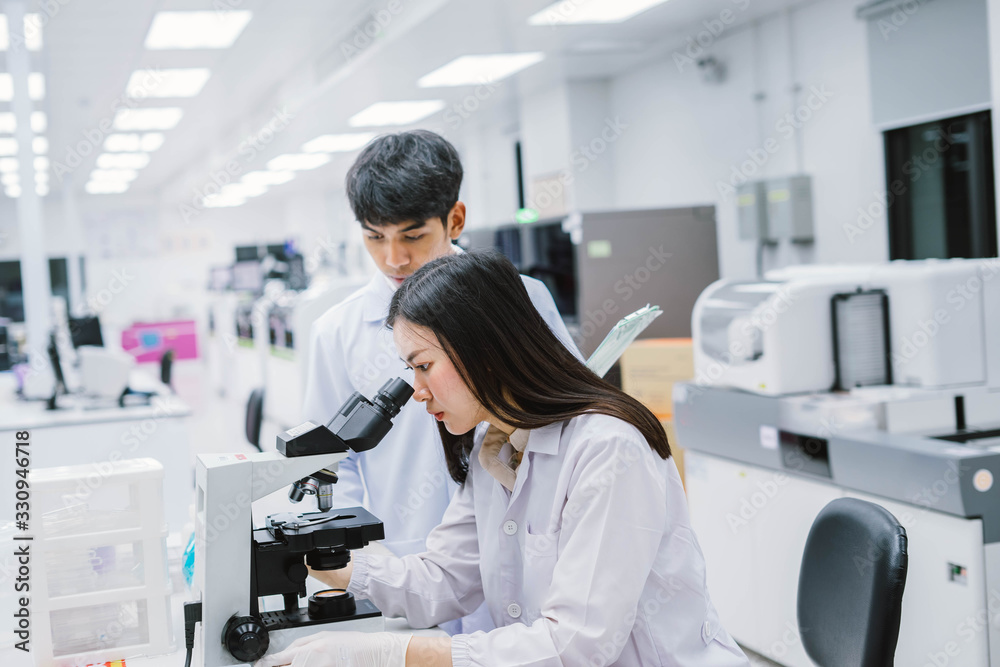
407 176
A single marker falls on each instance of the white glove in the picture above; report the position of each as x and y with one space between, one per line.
342 649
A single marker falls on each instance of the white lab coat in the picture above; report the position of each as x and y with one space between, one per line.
591 559
405 475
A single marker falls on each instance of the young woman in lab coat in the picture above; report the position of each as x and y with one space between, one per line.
571 520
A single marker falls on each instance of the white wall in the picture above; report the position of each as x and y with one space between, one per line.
686 137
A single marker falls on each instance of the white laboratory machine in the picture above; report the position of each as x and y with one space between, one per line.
289 328
876 382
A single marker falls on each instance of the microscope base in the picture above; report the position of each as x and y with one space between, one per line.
285 627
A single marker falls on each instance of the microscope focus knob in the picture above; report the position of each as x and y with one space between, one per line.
246 638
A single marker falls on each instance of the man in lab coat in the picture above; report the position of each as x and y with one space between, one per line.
403 190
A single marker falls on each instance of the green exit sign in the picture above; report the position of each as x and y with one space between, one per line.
526 216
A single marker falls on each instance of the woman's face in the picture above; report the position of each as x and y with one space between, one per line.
436 382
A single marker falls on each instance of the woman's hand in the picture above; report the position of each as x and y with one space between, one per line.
342 649
335 578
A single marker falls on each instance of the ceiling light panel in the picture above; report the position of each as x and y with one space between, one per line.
477 70
8 122
32 36
267 177
41 163
122 160
12 178
8 146
298 161
36 86
9 165
242 190
223 201
167 82
338 143
591 11
39 145
106 187
196 30
123 175
13 191
395 113
148 119
133 143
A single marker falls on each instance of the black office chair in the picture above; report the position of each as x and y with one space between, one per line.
255 416
167 367
851 585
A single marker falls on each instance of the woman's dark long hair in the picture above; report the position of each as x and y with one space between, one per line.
477 306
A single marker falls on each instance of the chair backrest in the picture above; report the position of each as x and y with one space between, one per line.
851 585
166 367
255 416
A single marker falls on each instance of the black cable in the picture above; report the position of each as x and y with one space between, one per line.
192 616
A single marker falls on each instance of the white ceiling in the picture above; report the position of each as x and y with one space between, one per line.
291 56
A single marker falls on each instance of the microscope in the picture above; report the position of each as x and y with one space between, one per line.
236 564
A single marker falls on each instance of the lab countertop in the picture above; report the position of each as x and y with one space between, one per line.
33 414
75 410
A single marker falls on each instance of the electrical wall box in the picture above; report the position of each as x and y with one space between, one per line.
789 208
751 212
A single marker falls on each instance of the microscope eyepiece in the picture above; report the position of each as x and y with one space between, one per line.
393 396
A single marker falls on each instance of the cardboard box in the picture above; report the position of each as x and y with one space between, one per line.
650 367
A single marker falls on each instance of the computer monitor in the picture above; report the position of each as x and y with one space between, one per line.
280 251
11 298
85 331
247 277
247 253
220 278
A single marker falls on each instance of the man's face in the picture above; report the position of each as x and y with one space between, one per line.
402 248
